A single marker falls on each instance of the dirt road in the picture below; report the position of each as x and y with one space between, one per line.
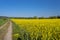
8 35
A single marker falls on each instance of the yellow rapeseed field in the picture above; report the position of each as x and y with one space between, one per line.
38 29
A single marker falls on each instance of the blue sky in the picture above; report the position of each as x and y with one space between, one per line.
27 8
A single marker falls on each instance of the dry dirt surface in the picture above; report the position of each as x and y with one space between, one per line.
8 35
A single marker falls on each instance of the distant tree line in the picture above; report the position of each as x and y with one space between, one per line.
3 17
35 17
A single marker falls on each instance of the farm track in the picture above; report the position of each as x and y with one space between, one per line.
8 35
